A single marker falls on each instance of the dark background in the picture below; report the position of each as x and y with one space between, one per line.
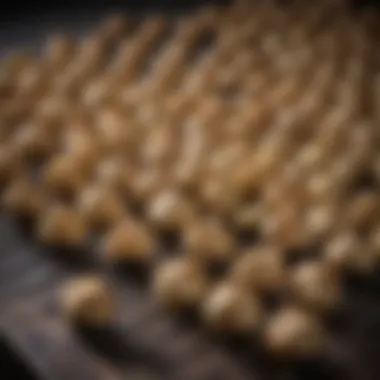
11 365
14 9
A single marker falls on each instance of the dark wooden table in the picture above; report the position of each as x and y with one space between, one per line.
144 342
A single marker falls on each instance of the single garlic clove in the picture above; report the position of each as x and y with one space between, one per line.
229 308
64 174
340 250
147 184
321 220
97 93
294 333
116 173
316 285
101 206
249 216
53 109
285 229
217 195
88 300
115 129
209 241
159 148
34 141
261 269
129 241
169 210
179 283
347 252
60 225
83 145
23 198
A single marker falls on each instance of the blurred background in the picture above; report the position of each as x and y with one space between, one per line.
15 9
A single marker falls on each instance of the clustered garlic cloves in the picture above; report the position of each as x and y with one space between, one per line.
249 118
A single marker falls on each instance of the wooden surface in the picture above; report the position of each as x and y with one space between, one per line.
144 342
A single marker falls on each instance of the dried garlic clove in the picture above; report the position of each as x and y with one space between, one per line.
260 269
179 283
316 285
88 300
294 333
101 205
129 242
230 308
23 198
209 241
116 173
60 225
169 210
64 174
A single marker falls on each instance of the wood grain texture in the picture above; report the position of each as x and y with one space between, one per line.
142 341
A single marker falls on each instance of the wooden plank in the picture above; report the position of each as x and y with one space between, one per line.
51 346
143 341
